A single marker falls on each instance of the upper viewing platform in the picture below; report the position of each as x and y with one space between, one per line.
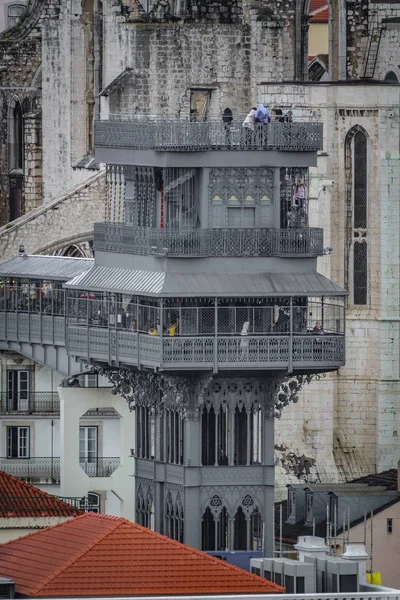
165 134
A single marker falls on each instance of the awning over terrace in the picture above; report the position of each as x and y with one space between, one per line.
154 283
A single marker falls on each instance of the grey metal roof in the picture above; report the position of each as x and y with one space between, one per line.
154 283
45 267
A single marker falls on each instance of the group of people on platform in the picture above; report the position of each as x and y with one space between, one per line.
263 115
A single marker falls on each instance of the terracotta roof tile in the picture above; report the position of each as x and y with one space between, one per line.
97 555
20 499
319 11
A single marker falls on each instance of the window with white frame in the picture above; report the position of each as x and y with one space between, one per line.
18 442
88 450
15 12
17 389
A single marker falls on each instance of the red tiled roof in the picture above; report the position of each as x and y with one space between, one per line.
98 555
20 499
319 11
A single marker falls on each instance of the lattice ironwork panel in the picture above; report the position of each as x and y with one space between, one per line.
360 273
23 328
35 329
127 346
12 327
59 331
188 350
47 329
77 340
247 349
99 343
150 348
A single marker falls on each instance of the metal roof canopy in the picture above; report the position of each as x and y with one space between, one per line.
166 284
37 266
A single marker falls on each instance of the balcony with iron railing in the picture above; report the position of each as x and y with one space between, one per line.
32 403
35 469
100 466
264 242
214 337
163 134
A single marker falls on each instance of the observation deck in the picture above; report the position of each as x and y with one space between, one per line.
158 141
186 136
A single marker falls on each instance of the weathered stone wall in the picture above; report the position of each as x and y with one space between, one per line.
66 220
347 424
226 46
363 20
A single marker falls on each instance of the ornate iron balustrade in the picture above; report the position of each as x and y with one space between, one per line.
189 136
117 237
30 403
208 352
100 466
36 469
31 328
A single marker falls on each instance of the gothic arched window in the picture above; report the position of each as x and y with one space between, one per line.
356 157
256 530
208 530
240 530
391 77
140 507
240 436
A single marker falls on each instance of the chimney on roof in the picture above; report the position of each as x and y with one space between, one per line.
355 551
311 545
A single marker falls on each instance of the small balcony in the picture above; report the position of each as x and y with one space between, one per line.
185 136
103 466
117 237
30 403
37 469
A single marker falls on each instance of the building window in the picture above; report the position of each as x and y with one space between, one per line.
18 442
88 451
17 390
309 507
174 518
292 504
145 432
389 525
357 225
391 77
15 13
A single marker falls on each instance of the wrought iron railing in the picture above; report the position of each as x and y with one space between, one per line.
103 466
223 352
195 136
30 403
117 237
36 469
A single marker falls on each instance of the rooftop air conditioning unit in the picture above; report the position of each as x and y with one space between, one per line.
342 576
